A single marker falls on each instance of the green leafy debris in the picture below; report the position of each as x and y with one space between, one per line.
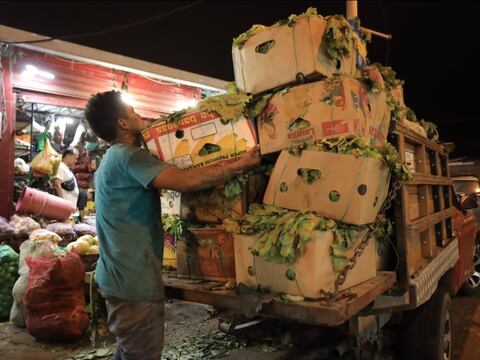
215 345
359 147
290 274
309 175
229 106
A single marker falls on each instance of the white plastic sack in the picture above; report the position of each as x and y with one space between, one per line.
35 249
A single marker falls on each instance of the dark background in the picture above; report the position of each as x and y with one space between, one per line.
435 46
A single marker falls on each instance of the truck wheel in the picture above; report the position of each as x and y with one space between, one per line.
472 285
427 330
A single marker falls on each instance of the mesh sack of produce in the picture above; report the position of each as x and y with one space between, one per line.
6 230
84 229
8 276
45 235
23 225
32 249
55 299
65 231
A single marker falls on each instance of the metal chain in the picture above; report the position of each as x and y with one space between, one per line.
342 275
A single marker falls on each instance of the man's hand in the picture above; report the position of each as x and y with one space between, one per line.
203 178
251 159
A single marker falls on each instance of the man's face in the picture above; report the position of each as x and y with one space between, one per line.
71 159
133 122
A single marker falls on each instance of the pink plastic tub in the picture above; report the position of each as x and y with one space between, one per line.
40 203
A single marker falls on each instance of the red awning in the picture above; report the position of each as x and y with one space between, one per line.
75 82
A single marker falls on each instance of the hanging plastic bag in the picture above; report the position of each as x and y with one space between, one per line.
47 161
32 249
55 298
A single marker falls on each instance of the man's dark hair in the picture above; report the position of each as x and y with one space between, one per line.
102 112
68 151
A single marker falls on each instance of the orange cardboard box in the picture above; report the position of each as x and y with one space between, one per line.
322 110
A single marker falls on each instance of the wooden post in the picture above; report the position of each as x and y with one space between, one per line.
352 9
7 141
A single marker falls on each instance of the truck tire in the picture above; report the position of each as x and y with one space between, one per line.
472 284
427 330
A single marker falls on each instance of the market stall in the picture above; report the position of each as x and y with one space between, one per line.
44 90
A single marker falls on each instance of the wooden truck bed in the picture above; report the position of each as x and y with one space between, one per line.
309 312
424 239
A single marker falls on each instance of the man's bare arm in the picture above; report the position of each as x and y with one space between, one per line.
58 187
203 178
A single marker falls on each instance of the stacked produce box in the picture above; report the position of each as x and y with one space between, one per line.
322 119
215 131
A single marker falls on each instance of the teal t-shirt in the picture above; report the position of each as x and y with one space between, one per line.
129 226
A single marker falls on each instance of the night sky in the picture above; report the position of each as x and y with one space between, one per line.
435 46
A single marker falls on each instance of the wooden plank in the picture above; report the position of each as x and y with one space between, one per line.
401 216
308 312
400 128
421 160
422 179
424 223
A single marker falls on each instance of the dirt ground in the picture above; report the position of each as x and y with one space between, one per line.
187 321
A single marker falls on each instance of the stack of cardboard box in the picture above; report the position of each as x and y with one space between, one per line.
330 103
306 74
200 138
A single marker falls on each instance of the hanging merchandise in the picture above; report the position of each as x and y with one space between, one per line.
47 161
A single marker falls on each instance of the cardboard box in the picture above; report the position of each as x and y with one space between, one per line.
294 50
348 189
209 256
200 139
169 251
314 270
397 94
212 206
322 110
170 202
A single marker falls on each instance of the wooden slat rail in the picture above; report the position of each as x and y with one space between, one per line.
421 179
308 312
423 209
424 223
414 137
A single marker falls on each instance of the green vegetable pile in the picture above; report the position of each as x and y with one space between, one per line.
340 38
359 147
282 234
8 276
209 346
398 111
235 185
389 76
173 225
229 106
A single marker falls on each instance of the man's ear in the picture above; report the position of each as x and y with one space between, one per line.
123 124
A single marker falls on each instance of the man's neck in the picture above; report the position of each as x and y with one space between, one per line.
128 139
